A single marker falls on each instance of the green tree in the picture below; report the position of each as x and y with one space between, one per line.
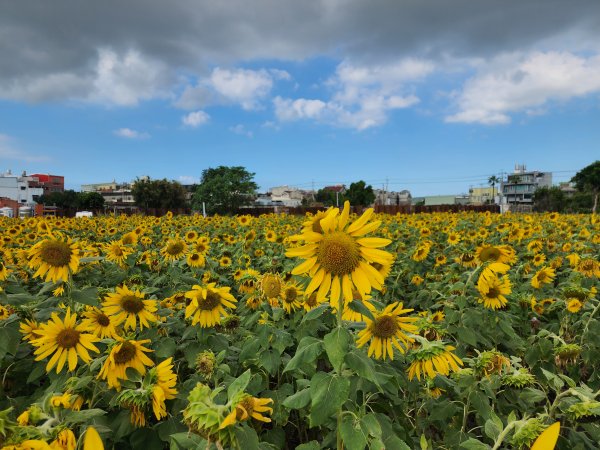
161 194
588 180
327 197
549 199
224 189
359 194
493 180
90 200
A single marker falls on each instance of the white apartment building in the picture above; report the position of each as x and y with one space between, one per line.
18 188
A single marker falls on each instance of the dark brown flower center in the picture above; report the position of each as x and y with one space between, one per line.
68 338
385 327
102 320
132 304
212 300
175 248
490 254
56 253
493 293
290 295
312 300
338 253
126 353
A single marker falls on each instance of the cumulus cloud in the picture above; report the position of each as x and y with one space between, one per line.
195 119
362 96
244 87
125 52
128 133
524 83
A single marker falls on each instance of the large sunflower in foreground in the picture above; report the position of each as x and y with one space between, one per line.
129 306
65 341
208 303
125 354
386 331
54 259
339 257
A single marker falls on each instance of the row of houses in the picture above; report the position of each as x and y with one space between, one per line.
19 194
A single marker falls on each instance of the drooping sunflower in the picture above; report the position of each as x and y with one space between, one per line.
248 407
271 285
129 306
30 330
99 323
126 353
174 249
65 341
433 358
588 267
543 276
164 387
340 256
387 330
496 253
493 289
54 259
208 303
574 305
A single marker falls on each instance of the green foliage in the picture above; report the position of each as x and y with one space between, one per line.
224 189
360 194
588 180
161 194
70 200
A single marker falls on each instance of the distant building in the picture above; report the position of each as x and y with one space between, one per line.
568 188
483 195
49 183
287 196
113 193
22 189
519 187
383 197
438 200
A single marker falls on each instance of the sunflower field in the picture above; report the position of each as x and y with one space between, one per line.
334 330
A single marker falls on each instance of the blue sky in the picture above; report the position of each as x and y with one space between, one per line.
317 94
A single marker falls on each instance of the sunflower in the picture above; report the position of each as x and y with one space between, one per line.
417 280
453 238
4 313
493 289
225 261
92 440
271 285
3 271
574 305
30 329
248 407
208 303
65 440
467 260
421 252
55 259
244 220
117 252
125 354
195 259
191 236
174 249
270 236
353 316
164 387
65 341
433 358
129 306
500 253
543 276
99 323
588 267
291 297
387 328
339 257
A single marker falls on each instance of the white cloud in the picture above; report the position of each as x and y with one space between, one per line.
195 119
9 151
127 79
241 130
524 83
128 133
188 179
362 95
245 87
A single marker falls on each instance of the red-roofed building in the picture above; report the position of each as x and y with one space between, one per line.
49 183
